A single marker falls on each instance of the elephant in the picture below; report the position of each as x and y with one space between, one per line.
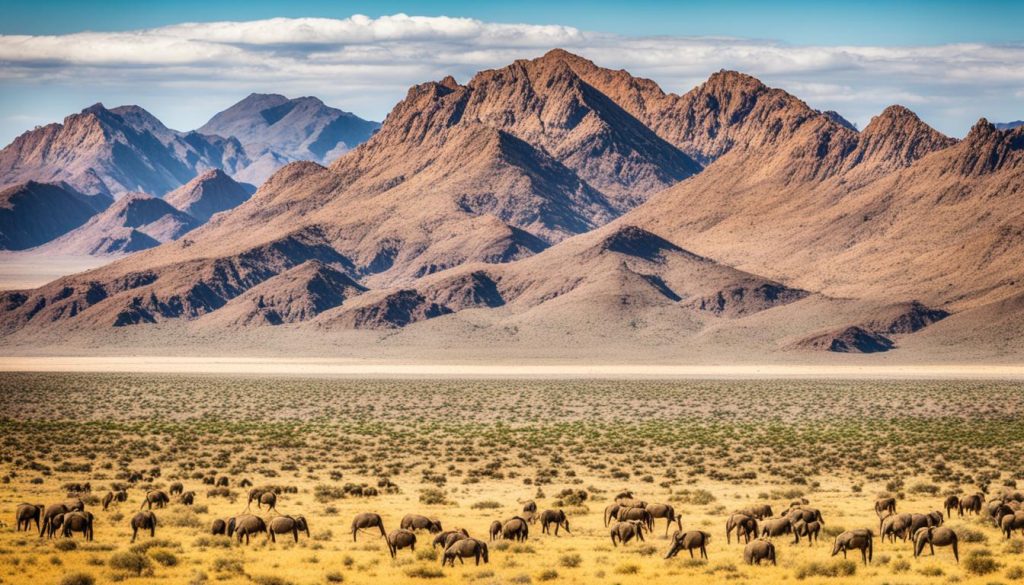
530 511
1011 522
51 513
365 521
667 512
219 527
861 538
689 540
758 512
626 530
286 524
446 538
176 488
627 513
144 520
115 496
223 481
465 548
245 483
624 495
399 539
951 503
611 512
994 507
269 499
777 527
918 521
495 530
419 522
78 521
805 513
187 498
157 497
26 514
809 529
515 528
556 517
246 525
936 536
745 527
883 505
896 526
971 504
759 550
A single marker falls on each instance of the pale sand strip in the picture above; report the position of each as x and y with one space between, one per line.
363 369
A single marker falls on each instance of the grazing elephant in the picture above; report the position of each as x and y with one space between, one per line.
885 505
611 512
951 503
555 517
115 496
777 527
530 511
1011 522
26 514
626 531
446 538
399 539
155 497
933 537
689 540
144 520
222 481
515 528
861 539
745 527
759 550
268 499
805 513
176 488
419 522
668 513
465 548
365 521
971 504
53 511
187 498
628 513
757 512
219 527
246 525
919 521
78 522
811 530
495 530
286 524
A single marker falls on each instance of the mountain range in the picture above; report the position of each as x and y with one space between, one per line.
556 206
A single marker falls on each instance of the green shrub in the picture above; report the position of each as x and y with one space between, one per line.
163 556
130 562
433 497
980 562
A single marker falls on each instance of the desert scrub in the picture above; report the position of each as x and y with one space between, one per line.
838 568
78 579
433 497
424 572
570 561
980 562
129 562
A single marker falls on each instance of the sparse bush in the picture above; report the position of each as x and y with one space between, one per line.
548 575
78 579
334 577
839 568
1016 573
130 562
163 557
422 572
270 580
980 562
65 545
486 505
433 497
627 569
570 561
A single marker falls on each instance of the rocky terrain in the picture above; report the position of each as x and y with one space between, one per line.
554 199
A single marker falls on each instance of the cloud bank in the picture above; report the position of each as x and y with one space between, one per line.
186 72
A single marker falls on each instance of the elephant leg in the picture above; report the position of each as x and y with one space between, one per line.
691 552
273 538
296 536
135 532
703 551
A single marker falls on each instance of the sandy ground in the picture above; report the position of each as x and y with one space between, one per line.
358 368
19 270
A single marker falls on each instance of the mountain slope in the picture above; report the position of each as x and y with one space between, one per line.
134 222
34 213
209 193
276 130
115 152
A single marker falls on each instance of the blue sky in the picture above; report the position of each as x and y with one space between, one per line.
950 62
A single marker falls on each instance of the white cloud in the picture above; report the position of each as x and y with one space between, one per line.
366 64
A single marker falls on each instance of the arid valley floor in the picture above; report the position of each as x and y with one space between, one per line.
470 451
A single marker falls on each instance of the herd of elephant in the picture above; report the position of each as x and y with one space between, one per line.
755 526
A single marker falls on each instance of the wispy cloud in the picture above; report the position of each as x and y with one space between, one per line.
365 64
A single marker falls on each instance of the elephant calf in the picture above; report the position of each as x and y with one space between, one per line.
1011 522
745 527
26 514
219 527
144 520
689 540
399 539
463 549
446 538
556 518
79 522
861 539
495 530
516 528
626 531
811 530
759 550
